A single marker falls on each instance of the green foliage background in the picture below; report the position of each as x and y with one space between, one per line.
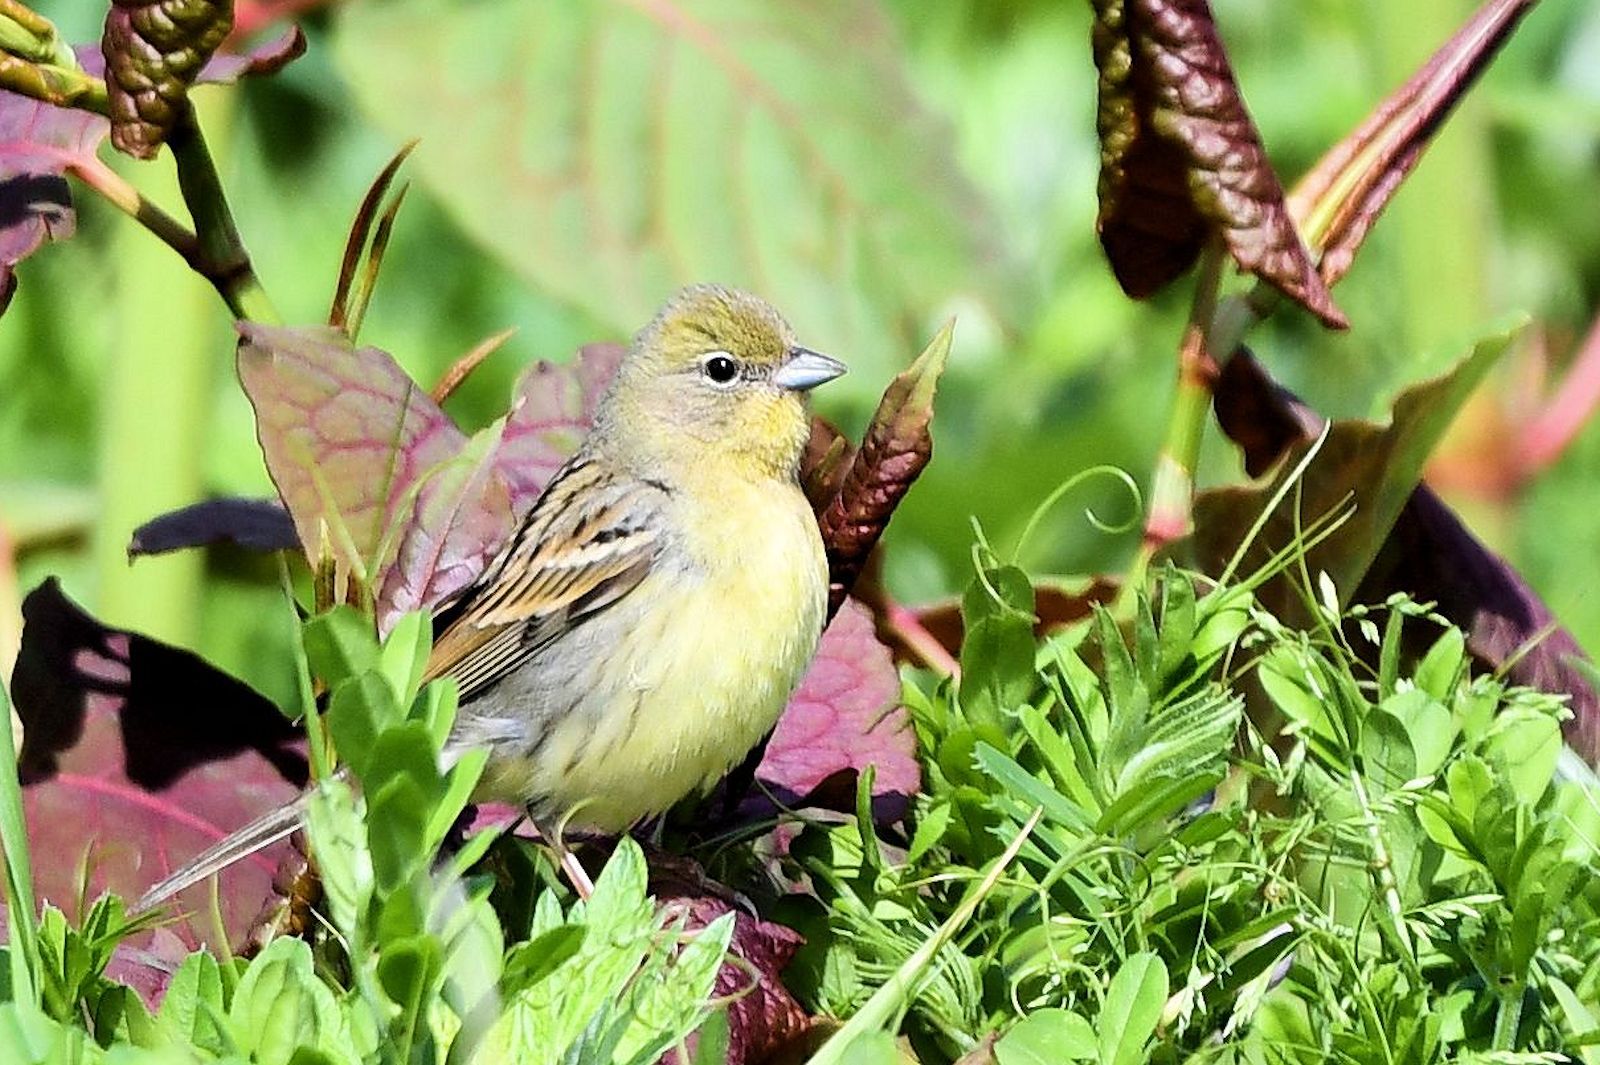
117 399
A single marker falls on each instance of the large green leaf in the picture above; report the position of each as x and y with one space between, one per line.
612 151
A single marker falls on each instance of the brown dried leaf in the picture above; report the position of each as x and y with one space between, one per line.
1181 158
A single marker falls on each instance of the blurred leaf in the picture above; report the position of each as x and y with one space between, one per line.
1181 158
256 524
137 755
1337 203
611 153
844 716
1431 555
1374 465
154 50
896 448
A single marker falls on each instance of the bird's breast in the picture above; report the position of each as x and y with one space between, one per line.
665 691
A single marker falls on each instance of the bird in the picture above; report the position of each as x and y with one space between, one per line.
646 623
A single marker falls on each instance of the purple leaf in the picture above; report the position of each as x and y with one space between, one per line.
1367 467
347 437
254 524
137 755
552 411
39 144
763 1017
1181 158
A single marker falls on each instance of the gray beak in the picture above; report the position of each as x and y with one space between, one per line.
805 369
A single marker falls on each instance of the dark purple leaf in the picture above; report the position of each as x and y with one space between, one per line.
1181 159
137 755
1430 555
255 524
1367 467
1342 196
154 50
763 1017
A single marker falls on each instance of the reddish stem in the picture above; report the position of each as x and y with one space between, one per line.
1548 433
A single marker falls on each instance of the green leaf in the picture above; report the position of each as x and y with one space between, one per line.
405 655
1428 724
1046 1036
193 1011
1132 1009
340 644
409 971
1524 744
280 1005
1386 751
360 708
997 653
1443 666
774 147
528 963
397 825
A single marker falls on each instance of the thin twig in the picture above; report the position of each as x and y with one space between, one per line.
118 192
463 366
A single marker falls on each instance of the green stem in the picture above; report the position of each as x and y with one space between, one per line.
1508 1018
1172 487
117 191
228 263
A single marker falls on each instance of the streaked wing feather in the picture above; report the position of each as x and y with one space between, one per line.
587 542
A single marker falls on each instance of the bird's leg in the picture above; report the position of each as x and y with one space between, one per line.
576 876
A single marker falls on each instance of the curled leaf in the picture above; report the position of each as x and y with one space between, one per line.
255 524
1181 158
1337 203
896 448
154 50
1368 467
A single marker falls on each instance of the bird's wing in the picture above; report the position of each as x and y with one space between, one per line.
589 540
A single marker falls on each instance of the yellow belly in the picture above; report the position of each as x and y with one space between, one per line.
698 664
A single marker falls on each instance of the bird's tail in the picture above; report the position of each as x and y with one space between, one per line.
259 834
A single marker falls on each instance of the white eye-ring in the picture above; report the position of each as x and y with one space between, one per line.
719 367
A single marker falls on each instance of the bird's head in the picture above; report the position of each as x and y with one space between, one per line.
716 376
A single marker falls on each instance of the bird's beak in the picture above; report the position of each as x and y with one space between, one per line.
805 369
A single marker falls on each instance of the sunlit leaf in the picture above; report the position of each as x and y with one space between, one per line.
1181 159
611 153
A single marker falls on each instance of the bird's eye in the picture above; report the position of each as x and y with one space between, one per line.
720 367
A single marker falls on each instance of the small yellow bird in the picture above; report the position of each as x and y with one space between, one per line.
648 621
